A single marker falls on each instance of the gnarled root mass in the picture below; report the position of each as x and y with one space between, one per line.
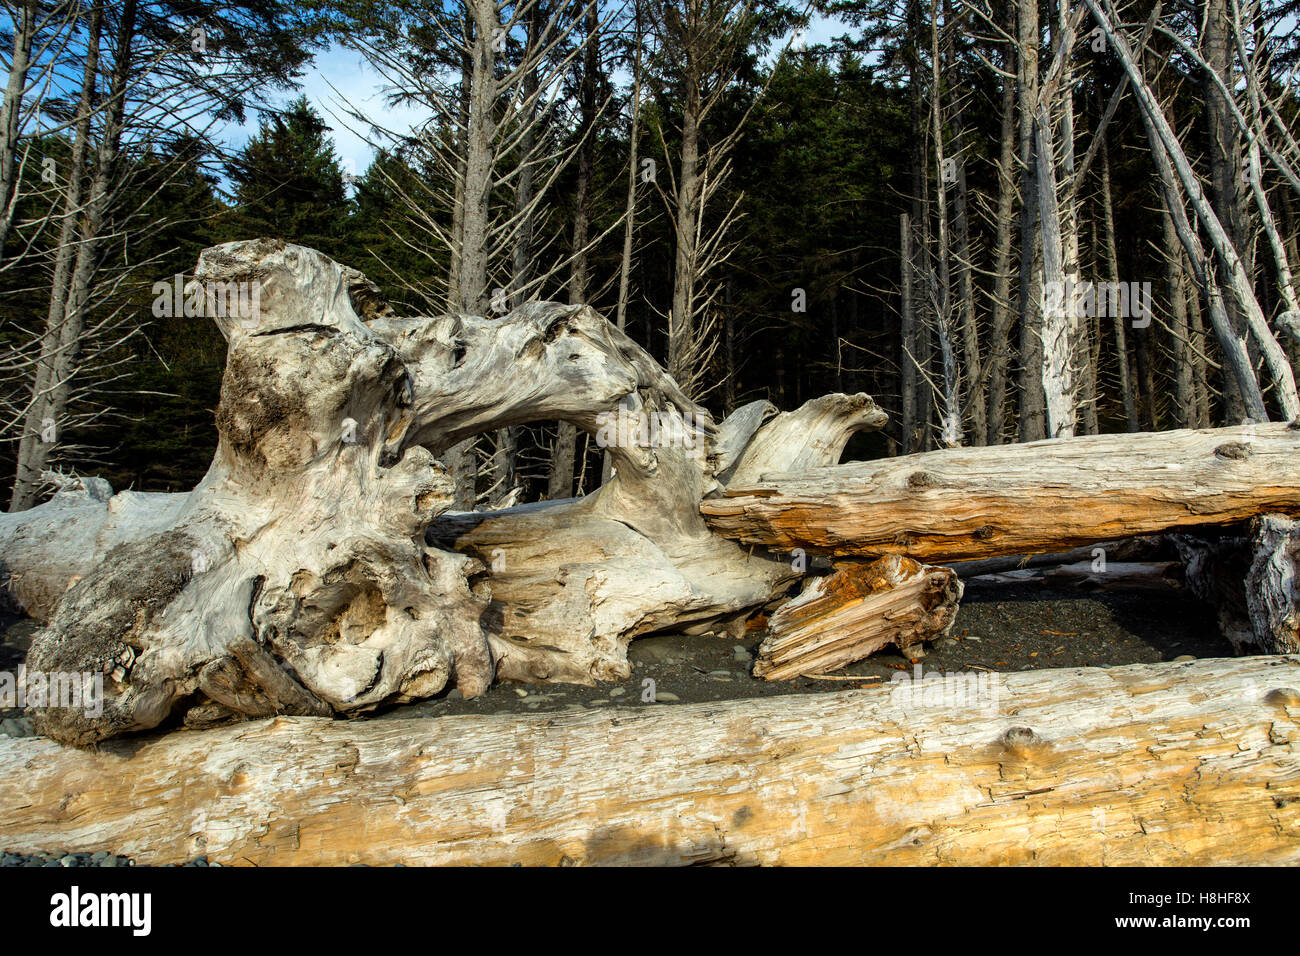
316 569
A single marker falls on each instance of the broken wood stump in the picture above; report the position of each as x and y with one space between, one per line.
856 610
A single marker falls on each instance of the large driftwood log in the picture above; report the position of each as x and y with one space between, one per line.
856 610
965 503
1140 549
301 576
1171 764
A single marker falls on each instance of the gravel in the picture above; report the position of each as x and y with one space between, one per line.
100 859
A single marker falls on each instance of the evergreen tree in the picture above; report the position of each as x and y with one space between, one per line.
287 183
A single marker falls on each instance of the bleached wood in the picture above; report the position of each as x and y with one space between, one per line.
1170 764
308 572
965 503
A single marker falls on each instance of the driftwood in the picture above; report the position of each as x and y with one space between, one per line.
319 569
1252 579
1273 584
965 503
297 577
1191 763
1139 549
1089 576
844 616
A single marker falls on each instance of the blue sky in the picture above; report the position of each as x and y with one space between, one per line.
340 76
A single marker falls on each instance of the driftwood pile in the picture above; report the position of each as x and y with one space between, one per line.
319 570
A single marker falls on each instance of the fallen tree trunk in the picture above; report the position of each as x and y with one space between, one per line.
853 612
1145 548
965 503
1166 764
1114 576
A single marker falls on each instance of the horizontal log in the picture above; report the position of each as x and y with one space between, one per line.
1141 549
1192 763
1115 576
966 503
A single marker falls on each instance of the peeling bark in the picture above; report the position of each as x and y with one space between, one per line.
853 612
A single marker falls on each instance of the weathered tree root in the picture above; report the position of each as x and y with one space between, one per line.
297 577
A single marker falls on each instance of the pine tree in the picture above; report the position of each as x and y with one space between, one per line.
287 183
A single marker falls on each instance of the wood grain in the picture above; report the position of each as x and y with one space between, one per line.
965 503
1187 763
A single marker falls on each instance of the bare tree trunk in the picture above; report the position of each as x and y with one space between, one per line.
33 447
1000 339
681 318
975 401
1184 410
633 175
940 281
560 480
1112 265
472 284
24 29
1224 142
1196 354
1033 412
1058 317
907 360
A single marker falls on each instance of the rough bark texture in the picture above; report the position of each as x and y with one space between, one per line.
1273 584
851 613
965 503
1182 764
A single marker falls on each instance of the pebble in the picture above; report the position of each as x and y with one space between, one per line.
17 727
454 694
101 858
1183 657
598 703
617 692
520 692
972 637
665 696
739 654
